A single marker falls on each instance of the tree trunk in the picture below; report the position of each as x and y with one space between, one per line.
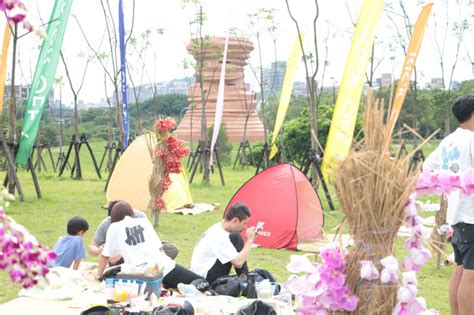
12 114
204 137
77 161
262 104
119 117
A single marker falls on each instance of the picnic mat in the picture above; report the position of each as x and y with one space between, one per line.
195 208
87 292
76 291
344 240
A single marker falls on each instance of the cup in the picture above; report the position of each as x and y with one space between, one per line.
265 289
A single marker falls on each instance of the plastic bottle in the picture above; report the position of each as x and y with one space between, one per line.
251 292
109 290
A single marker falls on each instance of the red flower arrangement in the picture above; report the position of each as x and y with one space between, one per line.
171 154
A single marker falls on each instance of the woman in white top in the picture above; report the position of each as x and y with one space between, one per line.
136 241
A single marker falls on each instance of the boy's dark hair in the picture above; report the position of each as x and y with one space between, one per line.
120 210
238 210
76 225
463 108
110 206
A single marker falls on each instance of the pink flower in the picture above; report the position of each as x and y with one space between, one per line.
368 270
390 272
417 306
409 278
322 289
332 256
401 309
407 294
467 180
414 242
300 263
448 180
416 259
414 220
411 208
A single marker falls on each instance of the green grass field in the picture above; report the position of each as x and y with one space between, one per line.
63 198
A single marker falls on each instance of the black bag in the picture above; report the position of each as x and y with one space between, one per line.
101 310
186 309
228 285
257 308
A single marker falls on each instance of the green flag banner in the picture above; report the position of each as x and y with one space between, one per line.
44 77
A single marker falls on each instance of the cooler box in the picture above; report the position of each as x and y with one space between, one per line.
153 283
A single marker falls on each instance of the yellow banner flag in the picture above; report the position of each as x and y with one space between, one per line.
3 63
408 67
348 99
286 90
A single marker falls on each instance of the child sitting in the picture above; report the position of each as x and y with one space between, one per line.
70 248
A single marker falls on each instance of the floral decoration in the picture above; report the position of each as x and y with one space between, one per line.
16 12
21 255
320 288
171 154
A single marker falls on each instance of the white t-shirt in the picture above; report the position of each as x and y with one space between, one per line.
136 241
214 244
455 153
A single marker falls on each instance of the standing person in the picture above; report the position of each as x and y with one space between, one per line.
70 248
97 244
136 241
455 153
222 246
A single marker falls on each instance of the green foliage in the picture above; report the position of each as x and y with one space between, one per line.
49 134
225 148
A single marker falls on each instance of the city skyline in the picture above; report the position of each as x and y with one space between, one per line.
167 52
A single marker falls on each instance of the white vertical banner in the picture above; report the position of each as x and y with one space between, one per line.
219 102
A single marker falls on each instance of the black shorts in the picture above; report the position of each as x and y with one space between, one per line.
463 244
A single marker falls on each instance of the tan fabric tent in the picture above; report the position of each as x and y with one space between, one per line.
129 180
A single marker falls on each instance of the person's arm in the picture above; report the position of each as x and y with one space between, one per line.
76 264
95 249
241 258
103 260
97 244
433 162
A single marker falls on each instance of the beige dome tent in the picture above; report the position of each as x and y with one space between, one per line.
129 180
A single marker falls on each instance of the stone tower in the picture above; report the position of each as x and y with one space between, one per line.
239 103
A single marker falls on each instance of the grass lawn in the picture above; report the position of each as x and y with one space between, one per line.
63 198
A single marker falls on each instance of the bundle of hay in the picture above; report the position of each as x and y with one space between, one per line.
373 189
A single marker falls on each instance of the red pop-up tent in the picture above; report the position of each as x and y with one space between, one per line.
283 198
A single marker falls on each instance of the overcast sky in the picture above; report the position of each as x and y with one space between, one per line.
334 25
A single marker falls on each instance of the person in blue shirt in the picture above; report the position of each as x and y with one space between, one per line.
70 248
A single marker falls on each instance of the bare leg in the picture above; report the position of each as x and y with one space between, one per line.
466 293
453 289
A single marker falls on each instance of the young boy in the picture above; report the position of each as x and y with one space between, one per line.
70 248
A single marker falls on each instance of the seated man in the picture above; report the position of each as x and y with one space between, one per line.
222 246
97 245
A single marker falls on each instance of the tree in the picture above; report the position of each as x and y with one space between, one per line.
75 91
199 50
110 62
139 49
312 61
443 24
